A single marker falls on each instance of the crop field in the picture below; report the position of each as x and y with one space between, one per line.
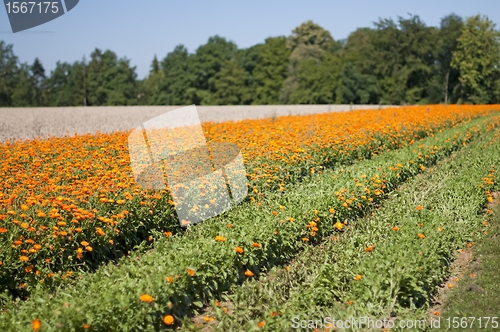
353 214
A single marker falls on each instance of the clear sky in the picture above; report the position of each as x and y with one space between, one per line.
138 30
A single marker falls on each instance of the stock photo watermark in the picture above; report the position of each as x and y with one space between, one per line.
171 152
420 324
24 15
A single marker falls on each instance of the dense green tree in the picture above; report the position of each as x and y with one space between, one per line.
66 85
207 62
403 59
176 86
8 73
24 93
231 86
271 70
150 87
478 60
308 41
318 81
449 31
38 76
357 88
110 81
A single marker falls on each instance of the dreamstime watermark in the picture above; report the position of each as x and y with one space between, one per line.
170 152
25 15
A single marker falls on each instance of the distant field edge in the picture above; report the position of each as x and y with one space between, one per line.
33 122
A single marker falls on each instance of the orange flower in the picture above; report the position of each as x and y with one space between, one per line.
41 214
369 248
229 225
418 207
396 228
84 243
169 279
3 230
349 302
239 250
88 248
168 319
146 298
358 277
256 245
249 273
191 272
86 326
167 234
261 324
36 324
339 225
420 235
220 238
24 258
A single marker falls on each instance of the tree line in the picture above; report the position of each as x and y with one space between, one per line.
394 62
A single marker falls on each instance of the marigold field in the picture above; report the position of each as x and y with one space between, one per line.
336 222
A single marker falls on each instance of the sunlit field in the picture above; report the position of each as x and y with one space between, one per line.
356 213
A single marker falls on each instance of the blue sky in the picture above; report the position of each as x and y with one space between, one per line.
140 29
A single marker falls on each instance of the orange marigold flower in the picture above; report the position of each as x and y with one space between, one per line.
37 247
370 248
305 239
41 214
396 228
358 277
88 248
169 279
229 225
261 324
256 245
239 250
249 273
86 326
3 230
349 302
339 225
191 272
168 319
219 238
418 207
84 243
36 324
146 298
24 258
167 234
420 235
